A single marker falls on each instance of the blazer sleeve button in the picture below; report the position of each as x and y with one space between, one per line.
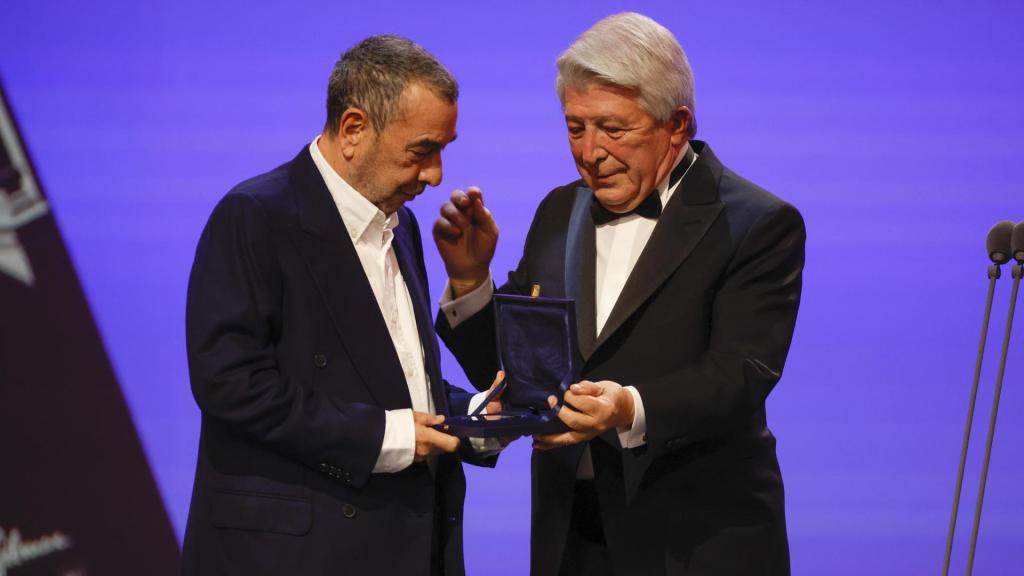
320 360
349 511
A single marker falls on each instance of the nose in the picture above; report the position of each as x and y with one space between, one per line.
430 172
592 152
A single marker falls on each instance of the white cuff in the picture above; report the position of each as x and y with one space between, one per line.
477 400
482 446
459 309
398 449
636 435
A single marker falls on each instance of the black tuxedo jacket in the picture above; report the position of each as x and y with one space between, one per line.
293 367
701 329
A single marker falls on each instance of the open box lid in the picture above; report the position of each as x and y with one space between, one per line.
537 348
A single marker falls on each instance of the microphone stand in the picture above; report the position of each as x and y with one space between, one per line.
1018 271
994 273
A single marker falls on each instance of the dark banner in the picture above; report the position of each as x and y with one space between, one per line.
76 494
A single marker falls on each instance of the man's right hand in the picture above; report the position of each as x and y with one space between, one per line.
466 236
430 442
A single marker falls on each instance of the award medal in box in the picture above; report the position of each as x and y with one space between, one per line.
537 350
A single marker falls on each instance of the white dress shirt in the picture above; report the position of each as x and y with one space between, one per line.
618 245
372 233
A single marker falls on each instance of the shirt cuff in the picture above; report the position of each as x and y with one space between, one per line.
459 309
482 446
398 449
636 435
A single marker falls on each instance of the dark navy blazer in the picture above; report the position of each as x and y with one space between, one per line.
292 366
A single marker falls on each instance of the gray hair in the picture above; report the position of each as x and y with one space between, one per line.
373 75
632 51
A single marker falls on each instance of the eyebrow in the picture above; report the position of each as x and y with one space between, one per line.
430 143
596 119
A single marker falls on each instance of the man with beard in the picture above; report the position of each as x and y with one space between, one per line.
311 348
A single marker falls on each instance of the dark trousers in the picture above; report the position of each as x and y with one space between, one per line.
586 552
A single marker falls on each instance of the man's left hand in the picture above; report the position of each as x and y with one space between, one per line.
589 409
495 407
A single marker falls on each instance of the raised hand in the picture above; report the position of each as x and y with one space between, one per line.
466 235
430 442
589 409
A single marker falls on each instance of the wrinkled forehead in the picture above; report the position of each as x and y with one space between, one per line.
424 116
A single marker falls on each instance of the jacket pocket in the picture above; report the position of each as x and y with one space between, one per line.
261 512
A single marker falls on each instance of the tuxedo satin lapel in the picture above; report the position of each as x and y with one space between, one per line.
685 220
405 252
580 257
332 260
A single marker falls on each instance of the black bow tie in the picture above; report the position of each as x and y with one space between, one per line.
651 206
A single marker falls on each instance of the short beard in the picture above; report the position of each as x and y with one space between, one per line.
362 175
364 180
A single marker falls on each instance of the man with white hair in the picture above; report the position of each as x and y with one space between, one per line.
687 280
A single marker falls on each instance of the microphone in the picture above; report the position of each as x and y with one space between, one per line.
1017 242
1017 250
998 245
1000 241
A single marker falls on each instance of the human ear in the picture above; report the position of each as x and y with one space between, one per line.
680 125
353 128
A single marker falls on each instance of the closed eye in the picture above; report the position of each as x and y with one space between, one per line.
426 147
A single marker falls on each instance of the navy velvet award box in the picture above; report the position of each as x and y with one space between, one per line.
537 350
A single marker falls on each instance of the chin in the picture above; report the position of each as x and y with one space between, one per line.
611 198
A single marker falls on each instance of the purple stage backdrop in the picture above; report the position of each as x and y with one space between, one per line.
893 126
